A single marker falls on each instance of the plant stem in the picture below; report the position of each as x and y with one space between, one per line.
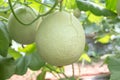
79 69
10 4
59 76
55 75
73 71
61 5
3 18
65 75
23 46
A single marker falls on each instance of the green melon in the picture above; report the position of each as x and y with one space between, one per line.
60 39
24 34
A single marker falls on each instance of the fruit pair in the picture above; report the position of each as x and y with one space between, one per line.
60 38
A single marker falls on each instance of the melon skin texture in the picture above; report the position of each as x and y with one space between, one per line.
60 39
23 34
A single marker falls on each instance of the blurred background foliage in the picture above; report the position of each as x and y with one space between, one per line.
100 22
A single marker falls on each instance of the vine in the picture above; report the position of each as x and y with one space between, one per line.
10 4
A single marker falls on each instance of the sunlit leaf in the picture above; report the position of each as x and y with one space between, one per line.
15 54
27 49
94 18
111 4
34 4
105 39
70 4
4 6
85 57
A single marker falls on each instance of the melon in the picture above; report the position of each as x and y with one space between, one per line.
60 39
23 34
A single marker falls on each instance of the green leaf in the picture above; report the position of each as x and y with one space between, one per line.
5 7
85 57
104 39
94 8
15 54
93 18
70 4
34 61
86 47
4 39
27 49
91 28
114 67
21 66
31 60
36 5
117 40
111 5
7 68
41 76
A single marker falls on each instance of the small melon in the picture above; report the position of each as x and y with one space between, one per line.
24 34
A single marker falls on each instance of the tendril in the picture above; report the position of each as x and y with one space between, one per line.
10 4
